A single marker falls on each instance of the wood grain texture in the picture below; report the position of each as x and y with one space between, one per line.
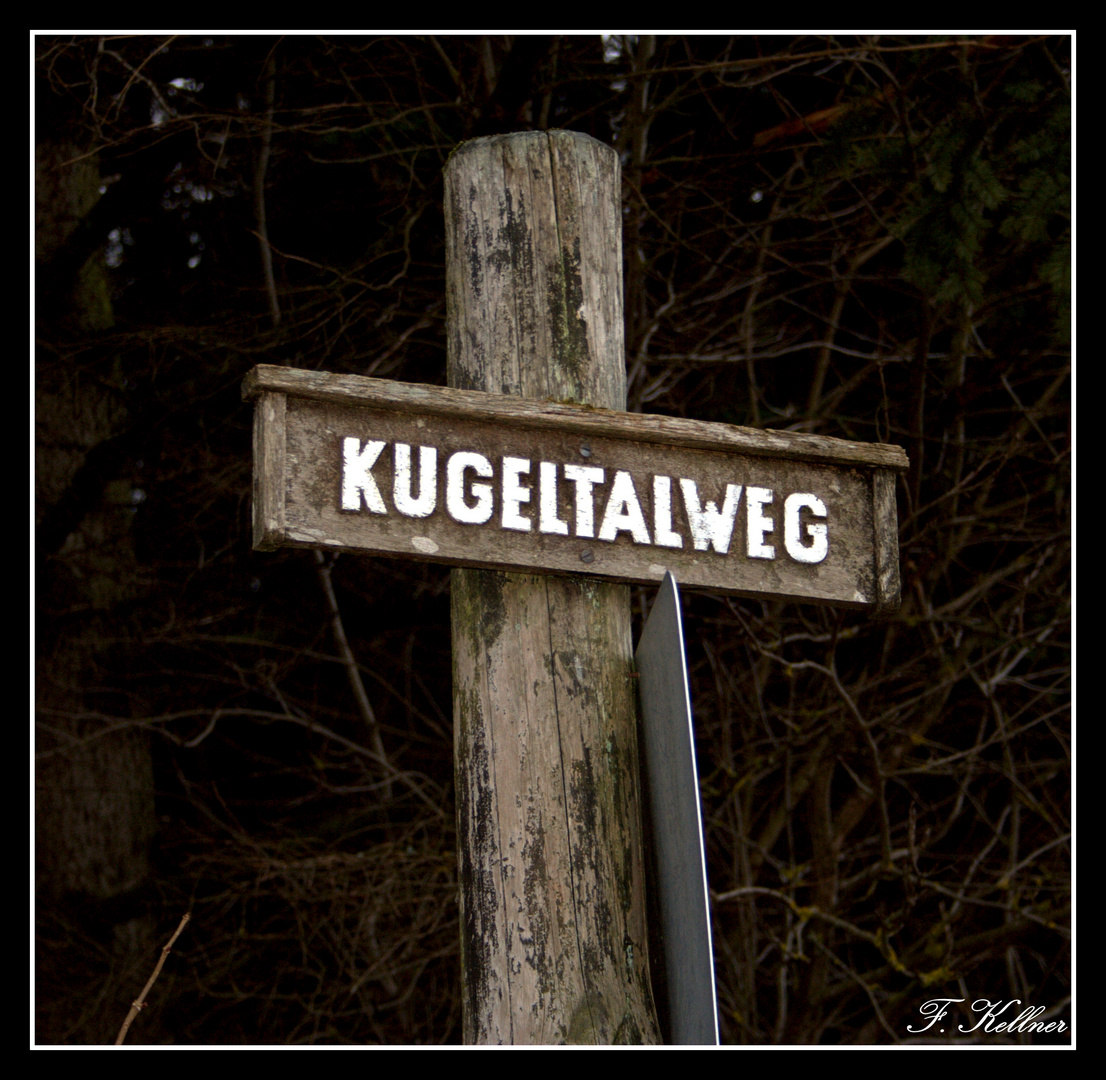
886 541
553 931
533 266
553 928
269 475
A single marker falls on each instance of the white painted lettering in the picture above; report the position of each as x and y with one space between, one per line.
470 498
709 526
548 522
357 480
406 503
662 514
815 549
585 477
455 503
623 511
756 498
514 493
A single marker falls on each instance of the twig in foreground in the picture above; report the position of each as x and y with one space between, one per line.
140 1001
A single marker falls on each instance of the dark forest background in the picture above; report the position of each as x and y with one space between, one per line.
860 237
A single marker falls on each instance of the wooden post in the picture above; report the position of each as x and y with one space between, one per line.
552 907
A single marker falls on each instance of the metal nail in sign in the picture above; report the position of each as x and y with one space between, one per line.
477 479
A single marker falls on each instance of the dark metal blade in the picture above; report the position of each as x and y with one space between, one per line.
673 784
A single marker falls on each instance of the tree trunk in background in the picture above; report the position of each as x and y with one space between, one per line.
94 787
552 905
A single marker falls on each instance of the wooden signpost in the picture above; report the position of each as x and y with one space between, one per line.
548 499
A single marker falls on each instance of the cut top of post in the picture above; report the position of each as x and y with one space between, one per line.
533 231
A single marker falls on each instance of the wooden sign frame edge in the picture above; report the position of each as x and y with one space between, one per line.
354 390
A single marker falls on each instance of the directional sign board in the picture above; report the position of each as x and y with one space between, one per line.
476 479
673 786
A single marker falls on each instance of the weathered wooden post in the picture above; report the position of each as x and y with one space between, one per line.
552 906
